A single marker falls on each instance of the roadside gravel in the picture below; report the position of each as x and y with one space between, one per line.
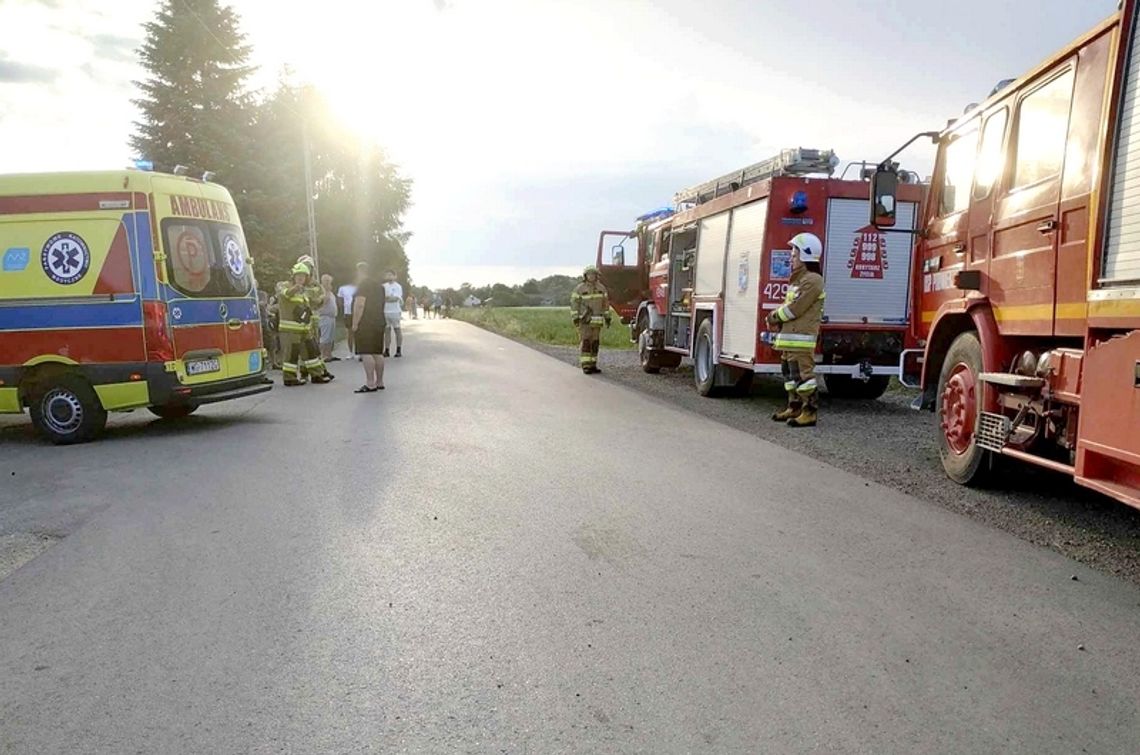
889 443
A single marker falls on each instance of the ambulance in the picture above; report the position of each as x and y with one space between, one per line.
122 290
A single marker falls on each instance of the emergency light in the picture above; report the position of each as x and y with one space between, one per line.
799 203
144 165
659 214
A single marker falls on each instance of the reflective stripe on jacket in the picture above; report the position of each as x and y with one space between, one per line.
590 301
801 313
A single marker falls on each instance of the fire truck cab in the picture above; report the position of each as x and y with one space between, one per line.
1029 270
698 279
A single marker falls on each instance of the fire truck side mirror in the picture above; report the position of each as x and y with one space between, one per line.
617 255
884 187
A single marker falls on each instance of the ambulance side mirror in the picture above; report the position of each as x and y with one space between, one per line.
884 188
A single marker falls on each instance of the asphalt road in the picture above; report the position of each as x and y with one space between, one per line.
483 559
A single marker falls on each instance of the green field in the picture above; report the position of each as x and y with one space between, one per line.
550 325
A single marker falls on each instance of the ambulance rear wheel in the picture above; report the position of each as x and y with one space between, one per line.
960 401
173 411
65 409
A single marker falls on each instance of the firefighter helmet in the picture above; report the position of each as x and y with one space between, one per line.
589 269
809 247
301 269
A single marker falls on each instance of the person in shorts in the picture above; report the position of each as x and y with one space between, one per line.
393 312
326 322
368 322
344 295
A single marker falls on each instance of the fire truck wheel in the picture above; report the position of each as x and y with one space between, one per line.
173 411
704 361
645 355
847 387
959 403
65 409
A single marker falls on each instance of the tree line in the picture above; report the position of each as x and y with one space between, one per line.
553 290
197 109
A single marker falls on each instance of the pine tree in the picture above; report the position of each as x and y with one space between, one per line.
196 110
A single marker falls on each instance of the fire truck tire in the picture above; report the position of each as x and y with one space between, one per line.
847 387
65 409
959 403
173 411
645 355
704 361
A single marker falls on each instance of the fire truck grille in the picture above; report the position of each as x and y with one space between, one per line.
993 431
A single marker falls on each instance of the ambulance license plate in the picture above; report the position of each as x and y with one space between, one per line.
202 366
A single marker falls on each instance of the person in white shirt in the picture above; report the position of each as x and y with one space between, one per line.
393 310
345 294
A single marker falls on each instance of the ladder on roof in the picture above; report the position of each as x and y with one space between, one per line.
790 162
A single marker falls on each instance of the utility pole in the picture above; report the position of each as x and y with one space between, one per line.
309 204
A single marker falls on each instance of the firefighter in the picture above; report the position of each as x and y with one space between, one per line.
313 363
796 325
590 304
295 312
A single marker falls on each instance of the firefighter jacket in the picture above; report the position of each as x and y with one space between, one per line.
591 302
294 308
801 313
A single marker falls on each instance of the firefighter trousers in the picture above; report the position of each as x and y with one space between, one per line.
591 337
798 369
300 357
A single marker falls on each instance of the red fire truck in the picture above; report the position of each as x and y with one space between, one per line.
699 278
1028 269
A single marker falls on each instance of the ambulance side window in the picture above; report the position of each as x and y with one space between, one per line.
189 253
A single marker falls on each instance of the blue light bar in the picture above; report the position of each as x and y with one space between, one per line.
659 214
144 164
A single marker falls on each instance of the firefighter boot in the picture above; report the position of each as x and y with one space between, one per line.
792 410
807 417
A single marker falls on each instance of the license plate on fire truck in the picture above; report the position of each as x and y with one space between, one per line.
202 366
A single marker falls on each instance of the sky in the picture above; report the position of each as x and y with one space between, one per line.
530 125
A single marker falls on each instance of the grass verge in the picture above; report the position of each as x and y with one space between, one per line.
549 325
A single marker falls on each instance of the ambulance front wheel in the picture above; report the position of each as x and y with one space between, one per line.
173 411
65 409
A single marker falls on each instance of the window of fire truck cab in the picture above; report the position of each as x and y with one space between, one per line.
991 154
1042 129
959 156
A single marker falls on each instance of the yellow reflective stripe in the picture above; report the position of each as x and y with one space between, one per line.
597 320
288 367
313 363
592 296
288 326
790 385
795 342
807 387
783 314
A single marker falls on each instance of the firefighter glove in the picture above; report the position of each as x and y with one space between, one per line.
577 320
609 321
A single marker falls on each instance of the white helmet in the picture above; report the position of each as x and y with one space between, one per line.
809 246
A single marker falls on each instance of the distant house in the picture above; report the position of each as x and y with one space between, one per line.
472 301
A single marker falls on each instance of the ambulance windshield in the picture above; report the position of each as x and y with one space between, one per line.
206 259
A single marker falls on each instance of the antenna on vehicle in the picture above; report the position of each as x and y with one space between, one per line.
209 175
181 170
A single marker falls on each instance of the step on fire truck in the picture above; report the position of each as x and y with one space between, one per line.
698 279
1029 269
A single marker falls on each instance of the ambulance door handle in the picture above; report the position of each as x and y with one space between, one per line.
234 324
1047 227
959 249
